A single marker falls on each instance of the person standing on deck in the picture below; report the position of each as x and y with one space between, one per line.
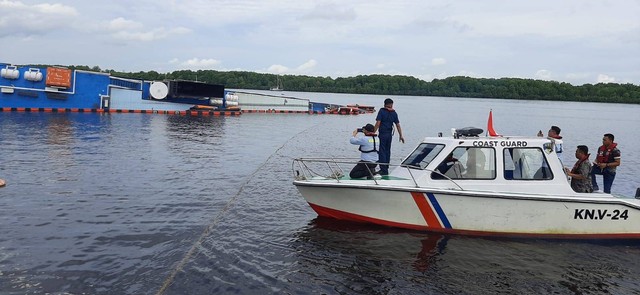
581 172
554 132
387 116
607 159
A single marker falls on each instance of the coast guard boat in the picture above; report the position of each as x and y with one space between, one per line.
468 184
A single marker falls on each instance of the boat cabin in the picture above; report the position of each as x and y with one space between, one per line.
506 164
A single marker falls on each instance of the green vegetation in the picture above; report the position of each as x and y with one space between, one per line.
504 88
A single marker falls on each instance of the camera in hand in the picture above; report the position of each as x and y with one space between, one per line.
360 130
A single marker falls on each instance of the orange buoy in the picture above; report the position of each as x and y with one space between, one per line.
2 182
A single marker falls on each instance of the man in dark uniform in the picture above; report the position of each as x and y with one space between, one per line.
387 116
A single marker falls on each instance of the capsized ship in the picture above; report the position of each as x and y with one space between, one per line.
59 89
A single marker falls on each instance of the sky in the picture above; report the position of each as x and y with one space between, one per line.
573 41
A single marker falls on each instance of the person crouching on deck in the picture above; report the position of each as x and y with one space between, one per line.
581 172
369 144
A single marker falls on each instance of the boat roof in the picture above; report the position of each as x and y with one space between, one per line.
490 141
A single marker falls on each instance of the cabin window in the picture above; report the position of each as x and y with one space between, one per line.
423 155
468 163
526 164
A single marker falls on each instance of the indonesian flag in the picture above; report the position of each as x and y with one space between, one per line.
490 129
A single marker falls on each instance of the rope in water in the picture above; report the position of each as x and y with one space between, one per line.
169 280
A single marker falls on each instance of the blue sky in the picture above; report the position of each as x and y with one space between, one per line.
574 41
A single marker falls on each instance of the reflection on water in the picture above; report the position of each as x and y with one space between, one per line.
380 242
196 129
59 131
60 139
406 262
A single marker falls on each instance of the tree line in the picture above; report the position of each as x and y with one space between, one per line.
503 88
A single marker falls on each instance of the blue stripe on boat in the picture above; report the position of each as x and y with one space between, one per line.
436 206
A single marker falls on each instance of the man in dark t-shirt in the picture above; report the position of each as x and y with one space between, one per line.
387 116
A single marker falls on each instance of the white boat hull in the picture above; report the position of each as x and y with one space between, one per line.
477 213
467 184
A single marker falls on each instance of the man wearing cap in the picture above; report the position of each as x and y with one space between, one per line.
387 116
369 145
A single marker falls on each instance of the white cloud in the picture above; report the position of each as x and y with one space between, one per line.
277 69
571 19
576 78
155 34
307 66
438 61
602 78
120 24
543 75
359 37
331 12
129 30
196 63
17 18
427 77
464 73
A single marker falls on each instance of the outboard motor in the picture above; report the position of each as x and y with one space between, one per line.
638 193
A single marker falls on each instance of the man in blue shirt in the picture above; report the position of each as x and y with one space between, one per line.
387 116
369 144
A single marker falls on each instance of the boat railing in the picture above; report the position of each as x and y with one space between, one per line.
334 168
318 167
411 168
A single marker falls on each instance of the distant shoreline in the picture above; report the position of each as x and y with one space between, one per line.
458 86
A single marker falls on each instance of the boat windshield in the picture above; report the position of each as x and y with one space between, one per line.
423 155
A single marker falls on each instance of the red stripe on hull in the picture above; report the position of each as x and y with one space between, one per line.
341 215
425 209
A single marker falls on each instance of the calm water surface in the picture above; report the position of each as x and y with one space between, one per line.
147 204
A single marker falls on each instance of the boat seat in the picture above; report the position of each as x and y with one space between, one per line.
543 173
508 174
476 166
456 170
